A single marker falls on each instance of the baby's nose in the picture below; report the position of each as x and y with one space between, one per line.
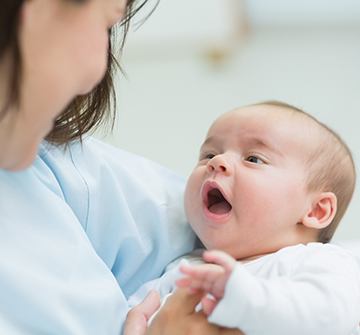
219 164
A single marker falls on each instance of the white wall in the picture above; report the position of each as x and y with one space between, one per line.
170 98
174 20
314 12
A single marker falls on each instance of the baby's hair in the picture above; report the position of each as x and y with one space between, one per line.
330 166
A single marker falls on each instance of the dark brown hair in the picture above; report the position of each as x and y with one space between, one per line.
331 167
86 112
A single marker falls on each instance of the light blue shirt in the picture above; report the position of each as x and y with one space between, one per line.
80 231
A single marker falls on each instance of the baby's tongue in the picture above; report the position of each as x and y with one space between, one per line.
221 207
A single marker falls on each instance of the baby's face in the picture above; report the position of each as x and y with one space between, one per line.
248 193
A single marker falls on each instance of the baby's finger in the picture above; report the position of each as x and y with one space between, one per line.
183 282
201 271
220 258
208 305
194 284
191 286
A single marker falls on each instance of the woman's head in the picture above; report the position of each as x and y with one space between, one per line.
53 54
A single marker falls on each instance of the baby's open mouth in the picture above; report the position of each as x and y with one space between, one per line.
216 202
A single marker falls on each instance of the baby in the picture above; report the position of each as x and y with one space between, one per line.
270 188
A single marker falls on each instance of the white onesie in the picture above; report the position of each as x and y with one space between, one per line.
303 289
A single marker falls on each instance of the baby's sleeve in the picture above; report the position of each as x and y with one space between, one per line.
321 295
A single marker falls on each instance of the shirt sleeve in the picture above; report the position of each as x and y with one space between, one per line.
79 231
132 209
51 279
321 296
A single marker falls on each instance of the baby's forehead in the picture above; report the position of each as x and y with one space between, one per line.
262 118
270 122
267 112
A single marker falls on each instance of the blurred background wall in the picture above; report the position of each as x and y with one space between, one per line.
195 59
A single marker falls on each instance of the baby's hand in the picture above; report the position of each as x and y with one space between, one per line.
210 277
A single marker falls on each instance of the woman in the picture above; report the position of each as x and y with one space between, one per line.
82 224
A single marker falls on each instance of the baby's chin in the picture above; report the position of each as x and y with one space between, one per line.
234 251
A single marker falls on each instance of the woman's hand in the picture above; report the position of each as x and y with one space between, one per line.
137 318
178 317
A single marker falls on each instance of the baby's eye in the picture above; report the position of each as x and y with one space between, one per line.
207 155
254 159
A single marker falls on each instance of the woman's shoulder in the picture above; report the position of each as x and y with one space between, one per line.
94 157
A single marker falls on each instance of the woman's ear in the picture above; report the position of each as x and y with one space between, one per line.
322 211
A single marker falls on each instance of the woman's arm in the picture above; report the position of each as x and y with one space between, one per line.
51 279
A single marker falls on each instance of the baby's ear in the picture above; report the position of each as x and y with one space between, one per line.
322 211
